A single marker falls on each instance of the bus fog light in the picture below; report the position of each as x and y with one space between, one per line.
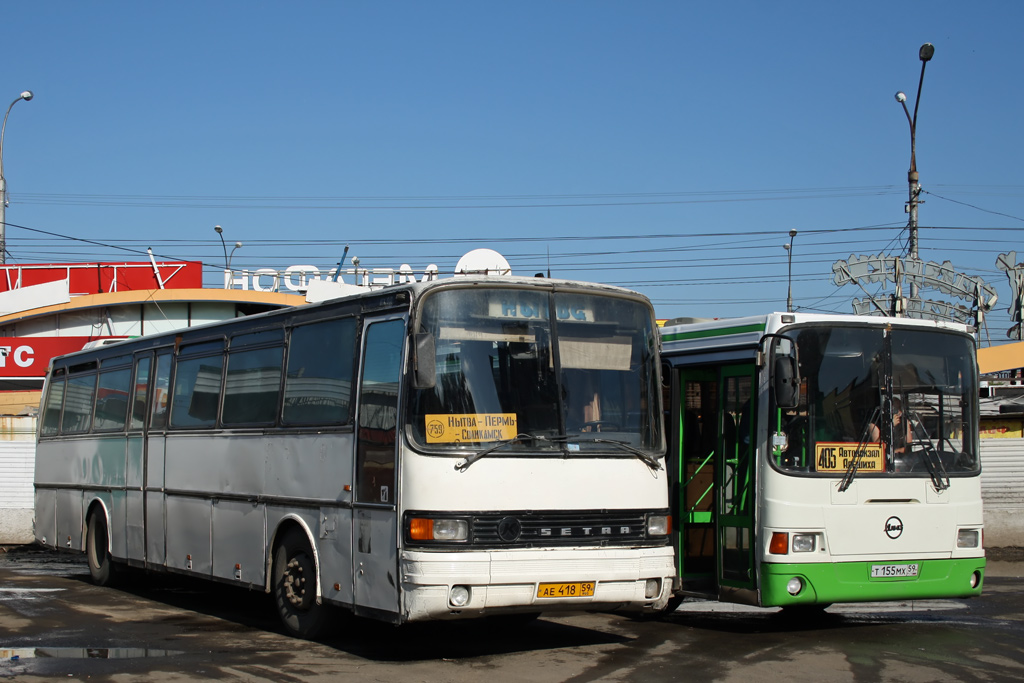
652 589
975 579
795 585
659 525
803 543
459 597
967 538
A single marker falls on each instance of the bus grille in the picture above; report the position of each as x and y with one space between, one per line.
559 528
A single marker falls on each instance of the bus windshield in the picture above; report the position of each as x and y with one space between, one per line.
898 401
562 371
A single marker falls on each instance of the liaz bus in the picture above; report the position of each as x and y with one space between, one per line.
820 459
449 449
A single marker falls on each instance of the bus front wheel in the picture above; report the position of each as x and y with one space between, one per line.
97 552
295 583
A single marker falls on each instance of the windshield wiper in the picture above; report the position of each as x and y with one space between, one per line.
644 457
929 454
851 469
470 459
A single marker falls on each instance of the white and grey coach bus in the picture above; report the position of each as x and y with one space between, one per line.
457 448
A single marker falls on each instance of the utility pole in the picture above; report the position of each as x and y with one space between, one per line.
925 54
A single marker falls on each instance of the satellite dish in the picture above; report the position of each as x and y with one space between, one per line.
483 262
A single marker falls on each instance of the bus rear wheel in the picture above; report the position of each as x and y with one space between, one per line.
295 586
97 552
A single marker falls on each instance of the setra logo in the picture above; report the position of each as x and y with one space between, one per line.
893 527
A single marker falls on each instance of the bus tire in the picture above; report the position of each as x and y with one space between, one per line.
295 586
97 552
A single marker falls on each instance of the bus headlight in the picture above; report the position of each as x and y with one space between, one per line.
659 525
428 529
967 538
803 543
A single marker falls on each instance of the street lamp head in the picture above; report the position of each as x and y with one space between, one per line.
792 232
238 245
27 95
218 229
927 51
901 97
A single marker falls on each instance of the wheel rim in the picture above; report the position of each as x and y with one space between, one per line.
298 582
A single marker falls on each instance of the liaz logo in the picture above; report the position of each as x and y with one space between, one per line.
893 527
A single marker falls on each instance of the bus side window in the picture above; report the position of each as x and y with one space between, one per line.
112 399
78 404
318 384
161 383
54 401
140 392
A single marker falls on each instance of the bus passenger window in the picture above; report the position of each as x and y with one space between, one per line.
318 384
54 401
112 399
253 386
141 391
161 386
77 417
197 385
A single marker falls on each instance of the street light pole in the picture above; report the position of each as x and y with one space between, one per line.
789 253
227 258
27 95
925 54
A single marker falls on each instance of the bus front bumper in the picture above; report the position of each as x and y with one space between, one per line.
446 585
831 582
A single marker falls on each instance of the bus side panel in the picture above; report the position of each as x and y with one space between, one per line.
334 546
213 464
310 466
135 537
239 540
46 516
188 537
156 548
70 527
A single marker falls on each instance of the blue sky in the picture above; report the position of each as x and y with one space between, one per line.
664 146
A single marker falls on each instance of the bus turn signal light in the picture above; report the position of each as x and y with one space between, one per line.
779 544
421 529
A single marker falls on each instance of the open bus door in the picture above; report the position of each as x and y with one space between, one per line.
715 475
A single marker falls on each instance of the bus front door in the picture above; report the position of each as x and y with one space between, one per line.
375 517
698 447
735 485
716 481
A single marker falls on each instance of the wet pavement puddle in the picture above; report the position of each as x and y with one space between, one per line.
18 654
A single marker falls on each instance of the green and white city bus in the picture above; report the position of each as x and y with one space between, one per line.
821 459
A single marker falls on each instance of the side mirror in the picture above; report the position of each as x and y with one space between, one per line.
425 373
787 382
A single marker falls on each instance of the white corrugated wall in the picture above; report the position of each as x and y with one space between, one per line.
1002 490
17 468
